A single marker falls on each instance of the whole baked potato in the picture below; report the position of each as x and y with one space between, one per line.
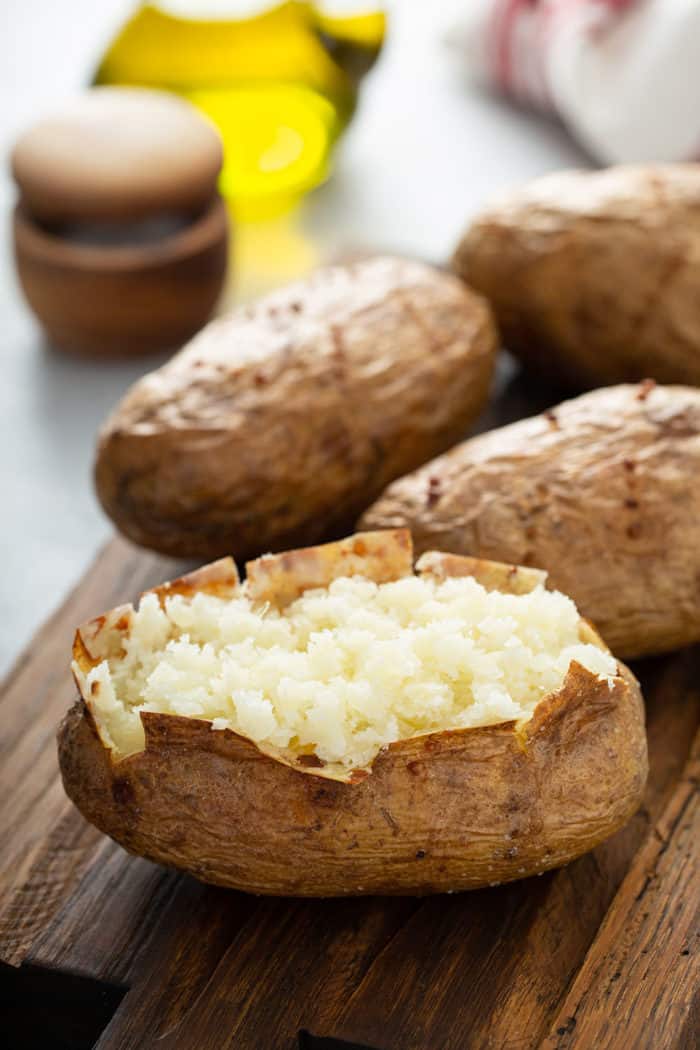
602 491
338 725
280 423
594 276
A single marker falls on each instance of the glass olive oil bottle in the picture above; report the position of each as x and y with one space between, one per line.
280 81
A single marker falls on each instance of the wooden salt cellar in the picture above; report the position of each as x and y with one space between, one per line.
120 234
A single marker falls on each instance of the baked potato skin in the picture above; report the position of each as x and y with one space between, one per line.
446 811
603 492
450 811
278 425
593 276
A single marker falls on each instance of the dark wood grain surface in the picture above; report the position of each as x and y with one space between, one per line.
601 954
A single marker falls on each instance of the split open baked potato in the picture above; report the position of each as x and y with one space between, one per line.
441 798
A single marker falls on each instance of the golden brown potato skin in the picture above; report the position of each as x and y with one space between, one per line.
279 424
448 811
603 492
594 276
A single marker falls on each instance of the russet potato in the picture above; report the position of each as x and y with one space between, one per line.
593 276
603 492
443 811
277 425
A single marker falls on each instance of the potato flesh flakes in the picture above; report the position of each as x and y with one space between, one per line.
345 670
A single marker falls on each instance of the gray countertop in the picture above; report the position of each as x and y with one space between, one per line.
424 152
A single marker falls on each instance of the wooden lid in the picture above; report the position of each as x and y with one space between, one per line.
115 154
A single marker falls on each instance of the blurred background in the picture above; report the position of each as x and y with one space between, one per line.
403 151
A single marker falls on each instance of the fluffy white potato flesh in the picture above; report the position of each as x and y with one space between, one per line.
343 670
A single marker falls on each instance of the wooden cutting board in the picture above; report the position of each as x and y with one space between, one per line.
100 948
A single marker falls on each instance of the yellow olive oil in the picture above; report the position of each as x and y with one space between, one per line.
281 85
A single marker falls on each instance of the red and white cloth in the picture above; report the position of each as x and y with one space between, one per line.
624 75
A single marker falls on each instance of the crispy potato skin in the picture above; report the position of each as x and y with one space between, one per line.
450 811
593 276
279 424
603 492
446 811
